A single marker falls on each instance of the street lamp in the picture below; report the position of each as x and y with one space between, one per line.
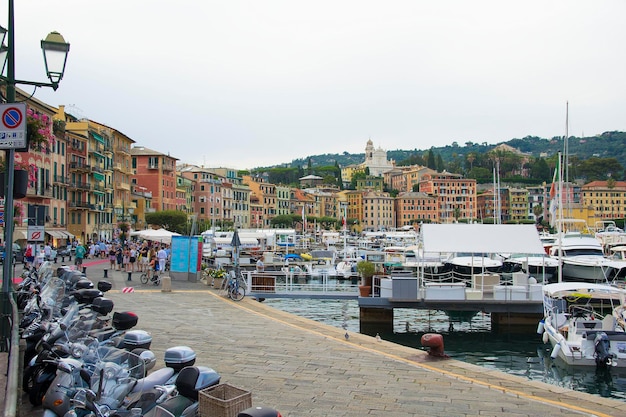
55 51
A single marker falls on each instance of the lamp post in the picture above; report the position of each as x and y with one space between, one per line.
55 51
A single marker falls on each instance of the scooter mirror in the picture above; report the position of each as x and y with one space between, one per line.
84 375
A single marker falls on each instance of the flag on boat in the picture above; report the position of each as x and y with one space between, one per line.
554 195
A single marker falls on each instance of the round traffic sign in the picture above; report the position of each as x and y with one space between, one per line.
12 117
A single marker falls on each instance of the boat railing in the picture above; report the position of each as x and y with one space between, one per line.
292 280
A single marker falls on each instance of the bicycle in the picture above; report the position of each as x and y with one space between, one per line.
235 287
147 276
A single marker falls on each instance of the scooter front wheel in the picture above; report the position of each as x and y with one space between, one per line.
28 378
36 393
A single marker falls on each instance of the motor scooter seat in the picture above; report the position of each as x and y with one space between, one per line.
174 406
158 377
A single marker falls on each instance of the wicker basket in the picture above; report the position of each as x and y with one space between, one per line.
223 400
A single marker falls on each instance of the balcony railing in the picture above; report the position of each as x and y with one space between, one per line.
41 192
59 179
81 205
79 166
80 185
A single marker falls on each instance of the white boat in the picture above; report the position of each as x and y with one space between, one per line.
580 326
465 265
608 234
541 267
583 259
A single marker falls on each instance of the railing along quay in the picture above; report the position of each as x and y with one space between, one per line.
488 293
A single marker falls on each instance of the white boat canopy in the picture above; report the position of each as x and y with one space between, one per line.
482 238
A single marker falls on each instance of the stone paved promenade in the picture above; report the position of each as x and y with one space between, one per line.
304 368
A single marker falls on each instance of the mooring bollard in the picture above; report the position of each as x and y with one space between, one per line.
85 270
130 274
106 273
166 284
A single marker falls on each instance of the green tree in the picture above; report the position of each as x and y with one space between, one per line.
440 165
284 220
431 159
539 170
596 168
172 220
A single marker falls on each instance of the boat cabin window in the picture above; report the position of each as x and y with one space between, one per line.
583 252
582 325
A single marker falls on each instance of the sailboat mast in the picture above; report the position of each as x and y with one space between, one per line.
559 223
565 160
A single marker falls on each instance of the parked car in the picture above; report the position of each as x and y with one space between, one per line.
53 255
18 253
65 251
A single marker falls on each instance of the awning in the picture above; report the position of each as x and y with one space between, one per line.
481 238
97 137
19 235
98 176
68 234
56 234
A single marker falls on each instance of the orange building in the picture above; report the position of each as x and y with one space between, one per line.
157 173
415 207
456 196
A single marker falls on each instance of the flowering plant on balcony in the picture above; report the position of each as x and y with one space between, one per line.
39 131
24 166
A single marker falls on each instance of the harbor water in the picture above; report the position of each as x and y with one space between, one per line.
468 339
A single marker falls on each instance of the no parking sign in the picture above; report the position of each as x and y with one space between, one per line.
13 125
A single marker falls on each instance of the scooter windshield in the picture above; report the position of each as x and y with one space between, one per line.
114 377
49 300
45 272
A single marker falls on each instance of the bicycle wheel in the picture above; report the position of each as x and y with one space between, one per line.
144 278
237 292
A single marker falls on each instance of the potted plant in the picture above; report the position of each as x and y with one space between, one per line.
366 270
218 276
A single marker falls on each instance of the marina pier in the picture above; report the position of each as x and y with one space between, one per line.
509 305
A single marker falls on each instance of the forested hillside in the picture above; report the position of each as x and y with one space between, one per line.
591 158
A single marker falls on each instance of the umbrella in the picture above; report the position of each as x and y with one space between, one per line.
160 235
236 243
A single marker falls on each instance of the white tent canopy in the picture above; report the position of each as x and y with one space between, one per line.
160 235
482 238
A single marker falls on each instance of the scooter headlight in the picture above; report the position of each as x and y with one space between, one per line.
78 351
110 371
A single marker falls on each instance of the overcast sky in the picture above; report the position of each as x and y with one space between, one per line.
244 84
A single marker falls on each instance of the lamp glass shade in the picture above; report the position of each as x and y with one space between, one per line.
3 34
4 51
55 51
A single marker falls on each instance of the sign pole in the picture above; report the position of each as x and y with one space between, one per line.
7 272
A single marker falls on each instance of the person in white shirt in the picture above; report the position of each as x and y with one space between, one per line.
47 251
162 258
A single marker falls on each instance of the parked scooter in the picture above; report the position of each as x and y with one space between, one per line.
190 380
60 343
67 372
